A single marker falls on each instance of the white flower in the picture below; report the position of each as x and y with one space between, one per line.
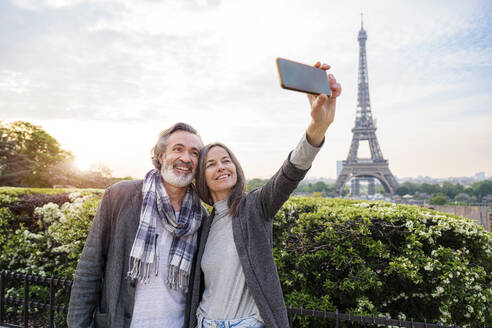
73 196
61 249
49 212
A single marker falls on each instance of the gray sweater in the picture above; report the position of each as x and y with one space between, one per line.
226 295
252 232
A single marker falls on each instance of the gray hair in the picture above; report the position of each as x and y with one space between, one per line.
161 144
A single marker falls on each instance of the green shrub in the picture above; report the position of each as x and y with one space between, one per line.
43 233
376 258
370 258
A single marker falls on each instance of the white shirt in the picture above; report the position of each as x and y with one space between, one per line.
157 305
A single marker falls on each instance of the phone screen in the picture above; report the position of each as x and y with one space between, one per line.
304 78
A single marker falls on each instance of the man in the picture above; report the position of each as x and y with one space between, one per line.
134 269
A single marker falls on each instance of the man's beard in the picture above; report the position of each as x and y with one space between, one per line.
176 179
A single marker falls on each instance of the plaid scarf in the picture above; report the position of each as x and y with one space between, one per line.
157 206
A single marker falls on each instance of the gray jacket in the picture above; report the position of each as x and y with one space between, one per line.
102 294
252 231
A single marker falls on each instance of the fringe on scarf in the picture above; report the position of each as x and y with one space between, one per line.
136 271
177 279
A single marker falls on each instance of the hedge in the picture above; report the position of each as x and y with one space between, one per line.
371 258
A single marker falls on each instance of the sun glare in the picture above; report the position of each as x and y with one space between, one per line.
82 164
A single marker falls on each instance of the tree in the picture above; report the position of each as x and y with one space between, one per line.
38 147
430 188
101 169
482 188
99 176
408 188
13 167
402 190
439 199
255 183
451 190
469 191
319 186
64 174
462 197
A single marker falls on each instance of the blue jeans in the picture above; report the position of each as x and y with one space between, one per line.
248 322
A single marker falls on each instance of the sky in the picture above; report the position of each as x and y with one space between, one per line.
104 77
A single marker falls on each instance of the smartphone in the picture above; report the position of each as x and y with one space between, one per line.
303 78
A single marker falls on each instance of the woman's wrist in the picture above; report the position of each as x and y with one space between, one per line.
315 133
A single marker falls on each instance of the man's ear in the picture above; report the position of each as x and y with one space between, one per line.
160 158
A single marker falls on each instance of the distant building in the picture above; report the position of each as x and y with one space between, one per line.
339 167
480 176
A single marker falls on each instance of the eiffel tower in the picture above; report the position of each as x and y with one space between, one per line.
375 167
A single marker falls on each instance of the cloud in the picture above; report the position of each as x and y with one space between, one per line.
211 63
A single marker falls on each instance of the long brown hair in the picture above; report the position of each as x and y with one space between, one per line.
239 188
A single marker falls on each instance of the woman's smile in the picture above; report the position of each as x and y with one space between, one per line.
220 173
223 177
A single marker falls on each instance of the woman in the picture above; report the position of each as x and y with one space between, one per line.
235 281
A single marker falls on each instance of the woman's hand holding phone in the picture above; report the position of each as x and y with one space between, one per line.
322 109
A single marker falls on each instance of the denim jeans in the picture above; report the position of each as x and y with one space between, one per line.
248 322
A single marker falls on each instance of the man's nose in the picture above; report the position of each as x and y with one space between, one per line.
185 157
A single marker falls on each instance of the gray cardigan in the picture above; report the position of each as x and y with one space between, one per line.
102 294
252 232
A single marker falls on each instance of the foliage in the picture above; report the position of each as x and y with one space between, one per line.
377 258
44 233
29 156
371 258
66 174
13 166
255 183
451 190
38 147
439 199
478 190
482 188
318 187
